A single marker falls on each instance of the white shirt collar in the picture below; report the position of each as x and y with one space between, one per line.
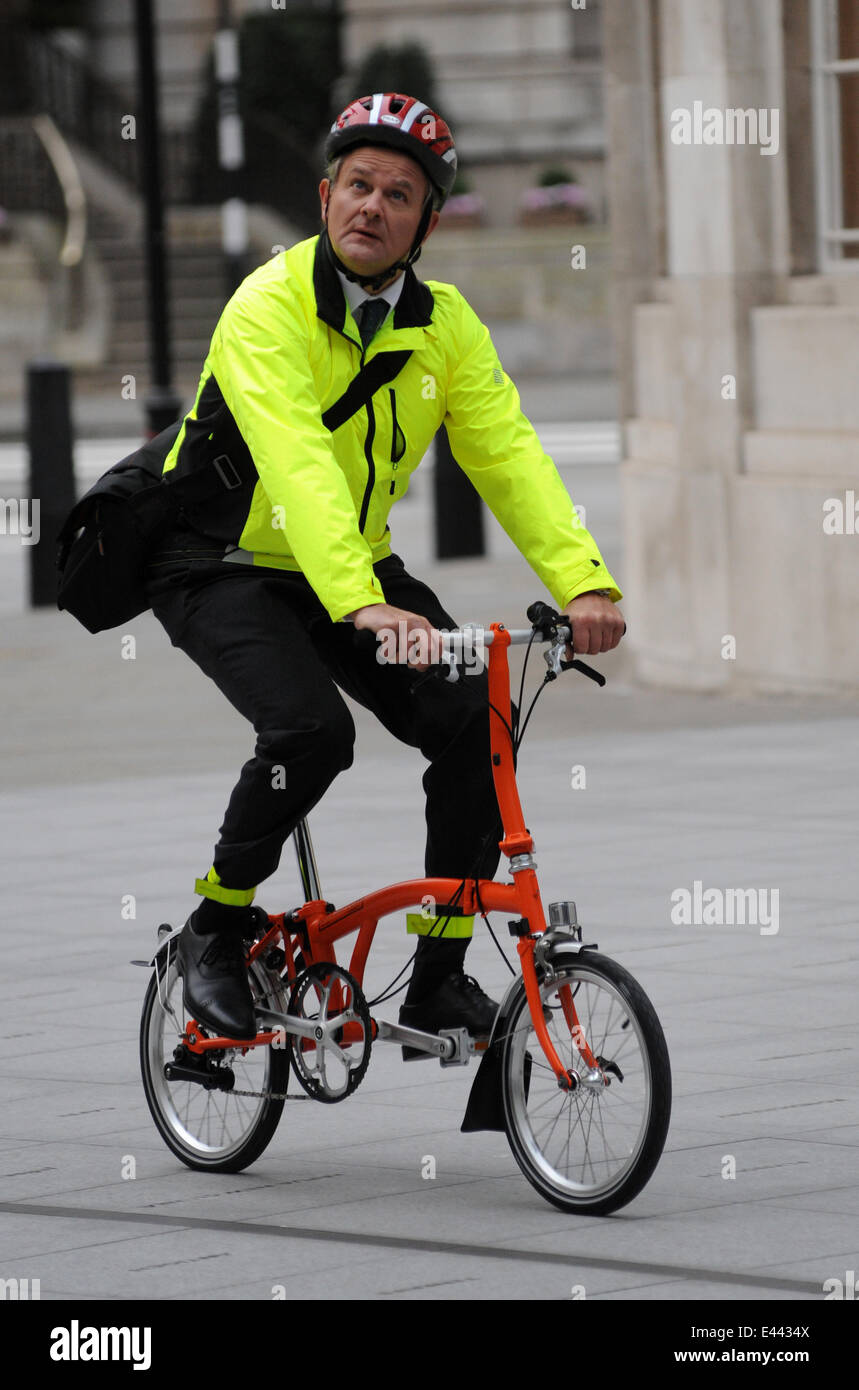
356 294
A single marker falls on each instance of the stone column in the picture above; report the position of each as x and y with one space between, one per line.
726 251
633 175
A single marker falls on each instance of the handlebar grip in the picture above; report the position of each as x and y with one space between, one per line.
543 617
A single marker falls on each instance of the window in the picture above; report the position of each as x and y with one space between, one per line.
835 79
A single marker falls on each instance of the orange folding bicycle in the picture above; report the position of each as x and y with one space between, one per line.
576 1069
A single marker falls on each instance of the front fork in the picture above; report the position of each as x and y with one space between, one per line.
527 949
567 1080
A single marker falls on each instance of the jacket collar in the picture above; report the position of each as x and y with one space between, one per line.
412 310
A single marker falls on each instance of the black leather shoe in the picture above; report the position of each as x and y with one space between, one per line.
459 1002
215 982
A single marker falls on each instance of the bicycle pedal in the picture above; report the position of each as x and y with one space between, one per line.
467 1046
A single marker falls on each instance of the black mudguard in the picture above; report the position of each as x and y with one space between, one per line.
485 1108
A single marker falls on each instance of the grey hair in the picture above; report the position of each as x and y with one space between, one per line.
333 169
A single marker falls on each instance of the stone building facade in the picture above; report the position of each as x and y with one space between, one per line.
736 318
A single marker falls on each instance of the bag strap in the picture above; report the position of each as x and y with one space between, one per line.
215 476
383 368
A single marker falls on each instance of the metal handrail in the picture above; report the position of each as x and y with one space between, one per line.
74 198
82 104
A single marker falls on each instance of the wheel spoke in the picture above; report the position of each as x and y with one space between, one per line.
211 1128
592 1148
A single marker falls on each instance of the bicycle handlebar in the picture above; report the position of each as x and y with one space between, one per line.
466 646
518 635
547 626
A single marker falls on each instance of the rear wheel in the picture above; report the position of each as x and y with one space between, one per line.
206 1123
590 1149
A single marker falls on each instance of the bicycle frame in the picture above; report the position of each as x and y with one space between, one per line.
314 928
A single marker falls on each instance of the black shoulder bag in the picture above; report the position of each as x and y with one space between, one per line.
105 540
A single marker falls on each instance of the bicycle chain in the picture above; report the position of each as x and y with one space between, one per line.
267 1095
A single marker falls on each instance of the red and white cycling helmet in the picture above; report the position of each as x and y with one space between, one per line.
399 123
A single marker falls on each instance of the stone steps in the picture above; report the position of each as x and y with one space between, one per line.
196 295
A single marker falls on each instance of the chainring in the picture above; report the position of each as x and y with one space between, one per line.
328 1068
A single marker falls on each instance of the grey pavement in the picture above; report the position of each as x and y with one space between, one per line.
116 774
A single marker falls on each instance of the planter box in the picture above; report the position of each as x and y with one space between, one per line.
552 217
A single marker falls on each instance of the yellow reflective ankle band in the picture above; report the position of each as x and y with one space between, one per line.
419 925
211 887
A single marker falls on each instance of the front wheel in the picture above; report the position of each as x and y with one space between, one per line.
590 1149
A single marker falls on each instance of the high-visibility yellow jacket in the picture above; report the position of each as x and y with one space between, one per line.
307 498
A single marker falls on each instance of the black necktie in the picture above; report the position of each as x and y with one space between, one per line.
369 315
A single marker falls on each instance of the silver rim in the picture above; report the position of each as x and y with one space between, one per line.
582 1143
207 1124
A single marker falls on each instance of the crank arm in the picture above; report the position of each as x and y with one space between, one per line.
430 1043
306 1028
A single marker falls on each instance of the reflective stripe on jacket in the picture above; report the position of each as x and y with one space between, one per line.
305 498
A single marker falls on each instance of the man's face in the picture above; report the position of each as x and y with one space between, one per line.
374 208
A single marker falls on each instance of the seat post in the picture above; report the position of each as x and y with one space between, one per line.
306 861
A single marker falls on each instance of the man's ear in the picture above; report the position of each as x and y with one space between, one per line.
324 193
433 223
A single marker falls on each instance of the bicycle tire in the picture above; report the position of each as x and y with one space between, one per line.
565 1141
189 1117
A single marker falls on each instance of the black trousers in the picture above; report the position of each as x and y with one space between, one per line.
264 638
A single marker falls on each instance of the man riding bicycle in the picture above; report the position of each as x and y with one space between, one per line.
329 373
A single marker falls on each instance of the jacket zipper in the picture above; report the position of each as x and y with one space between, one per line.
398 439
371 467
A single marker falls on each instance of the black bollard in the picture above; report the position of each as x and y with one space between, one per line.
52 475
163 406
458 508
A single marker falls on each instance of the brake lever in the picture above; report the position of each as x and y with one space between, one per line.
556 664
553 655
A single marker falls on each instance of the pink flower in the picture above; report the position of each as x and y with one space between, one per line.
556 195
465 205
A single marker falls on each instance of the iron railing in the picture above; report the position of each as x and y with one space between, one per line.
38 76
28 180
